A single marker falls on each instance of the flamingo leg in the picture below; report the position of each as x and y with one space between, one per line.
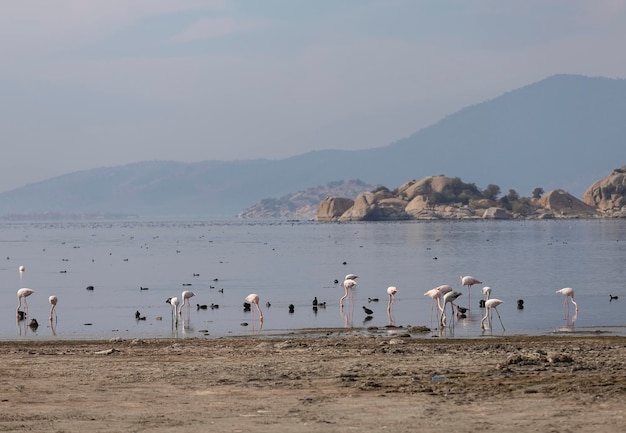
499 318
343 297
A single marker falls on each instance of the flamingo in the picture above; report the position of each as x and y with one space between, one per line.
568 292
21 268
391 291
469 281
436 295
448 298
174 303
487 291
185 296
348 285
23 293
489 304
53 302
253 298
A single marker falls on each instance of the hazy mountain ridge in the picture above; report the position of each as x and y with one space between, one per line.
564 132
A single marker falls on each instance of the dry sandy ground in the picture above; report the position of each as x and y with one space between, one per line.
330 383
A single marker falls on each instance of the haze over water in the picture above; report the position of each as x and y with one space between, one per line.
293 262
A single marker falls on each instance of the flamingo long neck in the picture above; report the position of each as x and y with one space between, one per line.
259 309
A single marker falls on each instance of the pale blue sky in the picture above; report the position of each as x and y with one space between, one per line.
90 83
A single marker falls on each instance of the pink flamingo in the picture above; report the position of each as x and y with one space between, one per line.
53 302
469 281
185 296
489 304
253 298
568 292
174 303
448 298
348 284
391 291
436 295
23 293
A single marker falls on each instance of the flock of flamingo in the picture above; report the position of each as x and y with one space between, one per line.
441 296
447 295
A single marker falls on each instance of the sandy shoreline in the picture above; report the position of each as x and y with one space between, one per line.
306 384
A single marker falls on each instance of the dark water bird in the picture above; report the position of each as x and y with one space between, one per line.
21 315
611 297
246 306
315 300
214 306
336 281
89 288
372 299
461 310
221 290
267 304
202 307
367 311
33 324
322 304
196 275
368 318
138 316
291 308
481 303
143 288
520 304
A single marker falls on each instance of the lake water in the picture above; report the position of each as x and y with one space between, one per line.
293 262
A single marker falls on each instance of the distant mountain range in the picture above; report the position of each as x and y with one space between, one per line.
566 132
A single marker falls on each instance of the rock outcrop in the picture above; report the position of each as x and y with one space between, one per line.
562 203
331 208
609 194
441 197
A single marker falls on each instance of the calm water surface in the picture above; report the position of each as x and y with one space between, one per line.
293 262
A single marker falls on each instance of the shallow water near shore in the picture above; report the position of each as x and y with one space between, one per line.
293 262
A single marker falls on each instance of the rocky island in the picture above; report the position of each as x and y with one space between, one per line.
441 197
